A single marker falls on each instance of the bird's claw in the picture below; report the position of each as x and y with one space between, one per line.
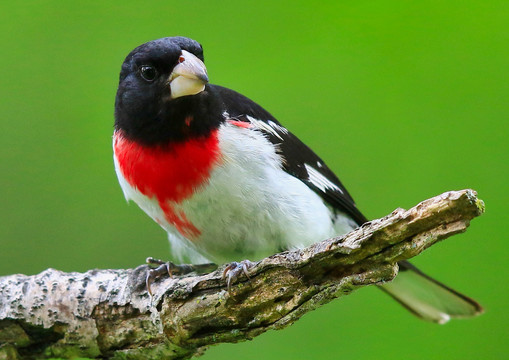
232 272
164 268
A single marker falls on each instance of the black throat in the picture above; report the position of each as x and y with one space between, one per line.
169 121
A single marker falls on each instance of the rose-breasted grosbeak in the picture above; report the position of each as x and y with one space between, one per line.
227 181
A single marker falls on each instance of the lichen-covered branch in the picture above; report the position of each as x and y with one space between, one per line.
108 313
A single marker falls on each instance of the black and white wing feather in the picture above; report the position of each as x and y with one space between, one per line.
298 159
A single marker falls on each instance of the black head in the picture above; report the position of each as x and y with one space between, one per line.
163 94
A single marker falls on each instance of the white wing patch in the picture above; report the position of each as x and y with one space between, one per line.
321 181
270 126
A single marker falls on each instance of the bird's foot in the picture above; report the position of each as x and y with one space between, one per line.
232 272
168 268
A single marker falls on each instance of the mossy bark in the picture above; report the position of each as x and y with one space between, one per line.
109 314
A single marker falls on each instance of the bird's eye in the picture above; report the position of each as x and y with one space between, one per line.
148 73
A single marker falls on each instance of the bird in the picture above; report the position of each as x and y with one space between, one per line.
228 182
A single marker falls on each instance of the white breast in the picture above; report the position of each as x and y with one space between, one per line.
249 209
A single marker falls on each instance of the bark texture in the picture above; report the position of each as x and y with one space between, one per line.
109 314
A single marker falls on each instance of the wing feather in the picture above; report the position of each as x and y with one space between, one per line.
298 159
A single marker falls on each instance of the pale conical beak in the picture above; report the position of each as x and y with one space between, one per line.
188 77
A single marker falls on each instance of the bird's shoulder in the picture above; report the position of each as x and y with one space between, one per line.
297 158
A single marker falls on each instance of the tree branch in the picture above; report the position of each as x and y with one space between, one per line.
108 313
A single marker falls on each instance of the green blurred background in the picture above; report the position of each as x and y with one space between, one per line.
404 100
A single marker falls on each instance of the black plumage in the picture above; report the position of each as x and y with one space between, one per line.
142 108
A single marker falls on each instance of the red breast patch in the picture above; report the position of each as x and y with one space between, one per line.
170 173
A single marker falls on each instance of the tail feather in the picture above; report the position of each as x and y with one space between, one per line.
427 298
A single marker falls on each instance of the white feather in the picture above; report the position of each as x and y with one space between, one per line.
270 127
321 181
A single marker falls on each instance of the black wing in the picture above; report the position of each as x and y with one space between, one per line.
298 159
432 300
